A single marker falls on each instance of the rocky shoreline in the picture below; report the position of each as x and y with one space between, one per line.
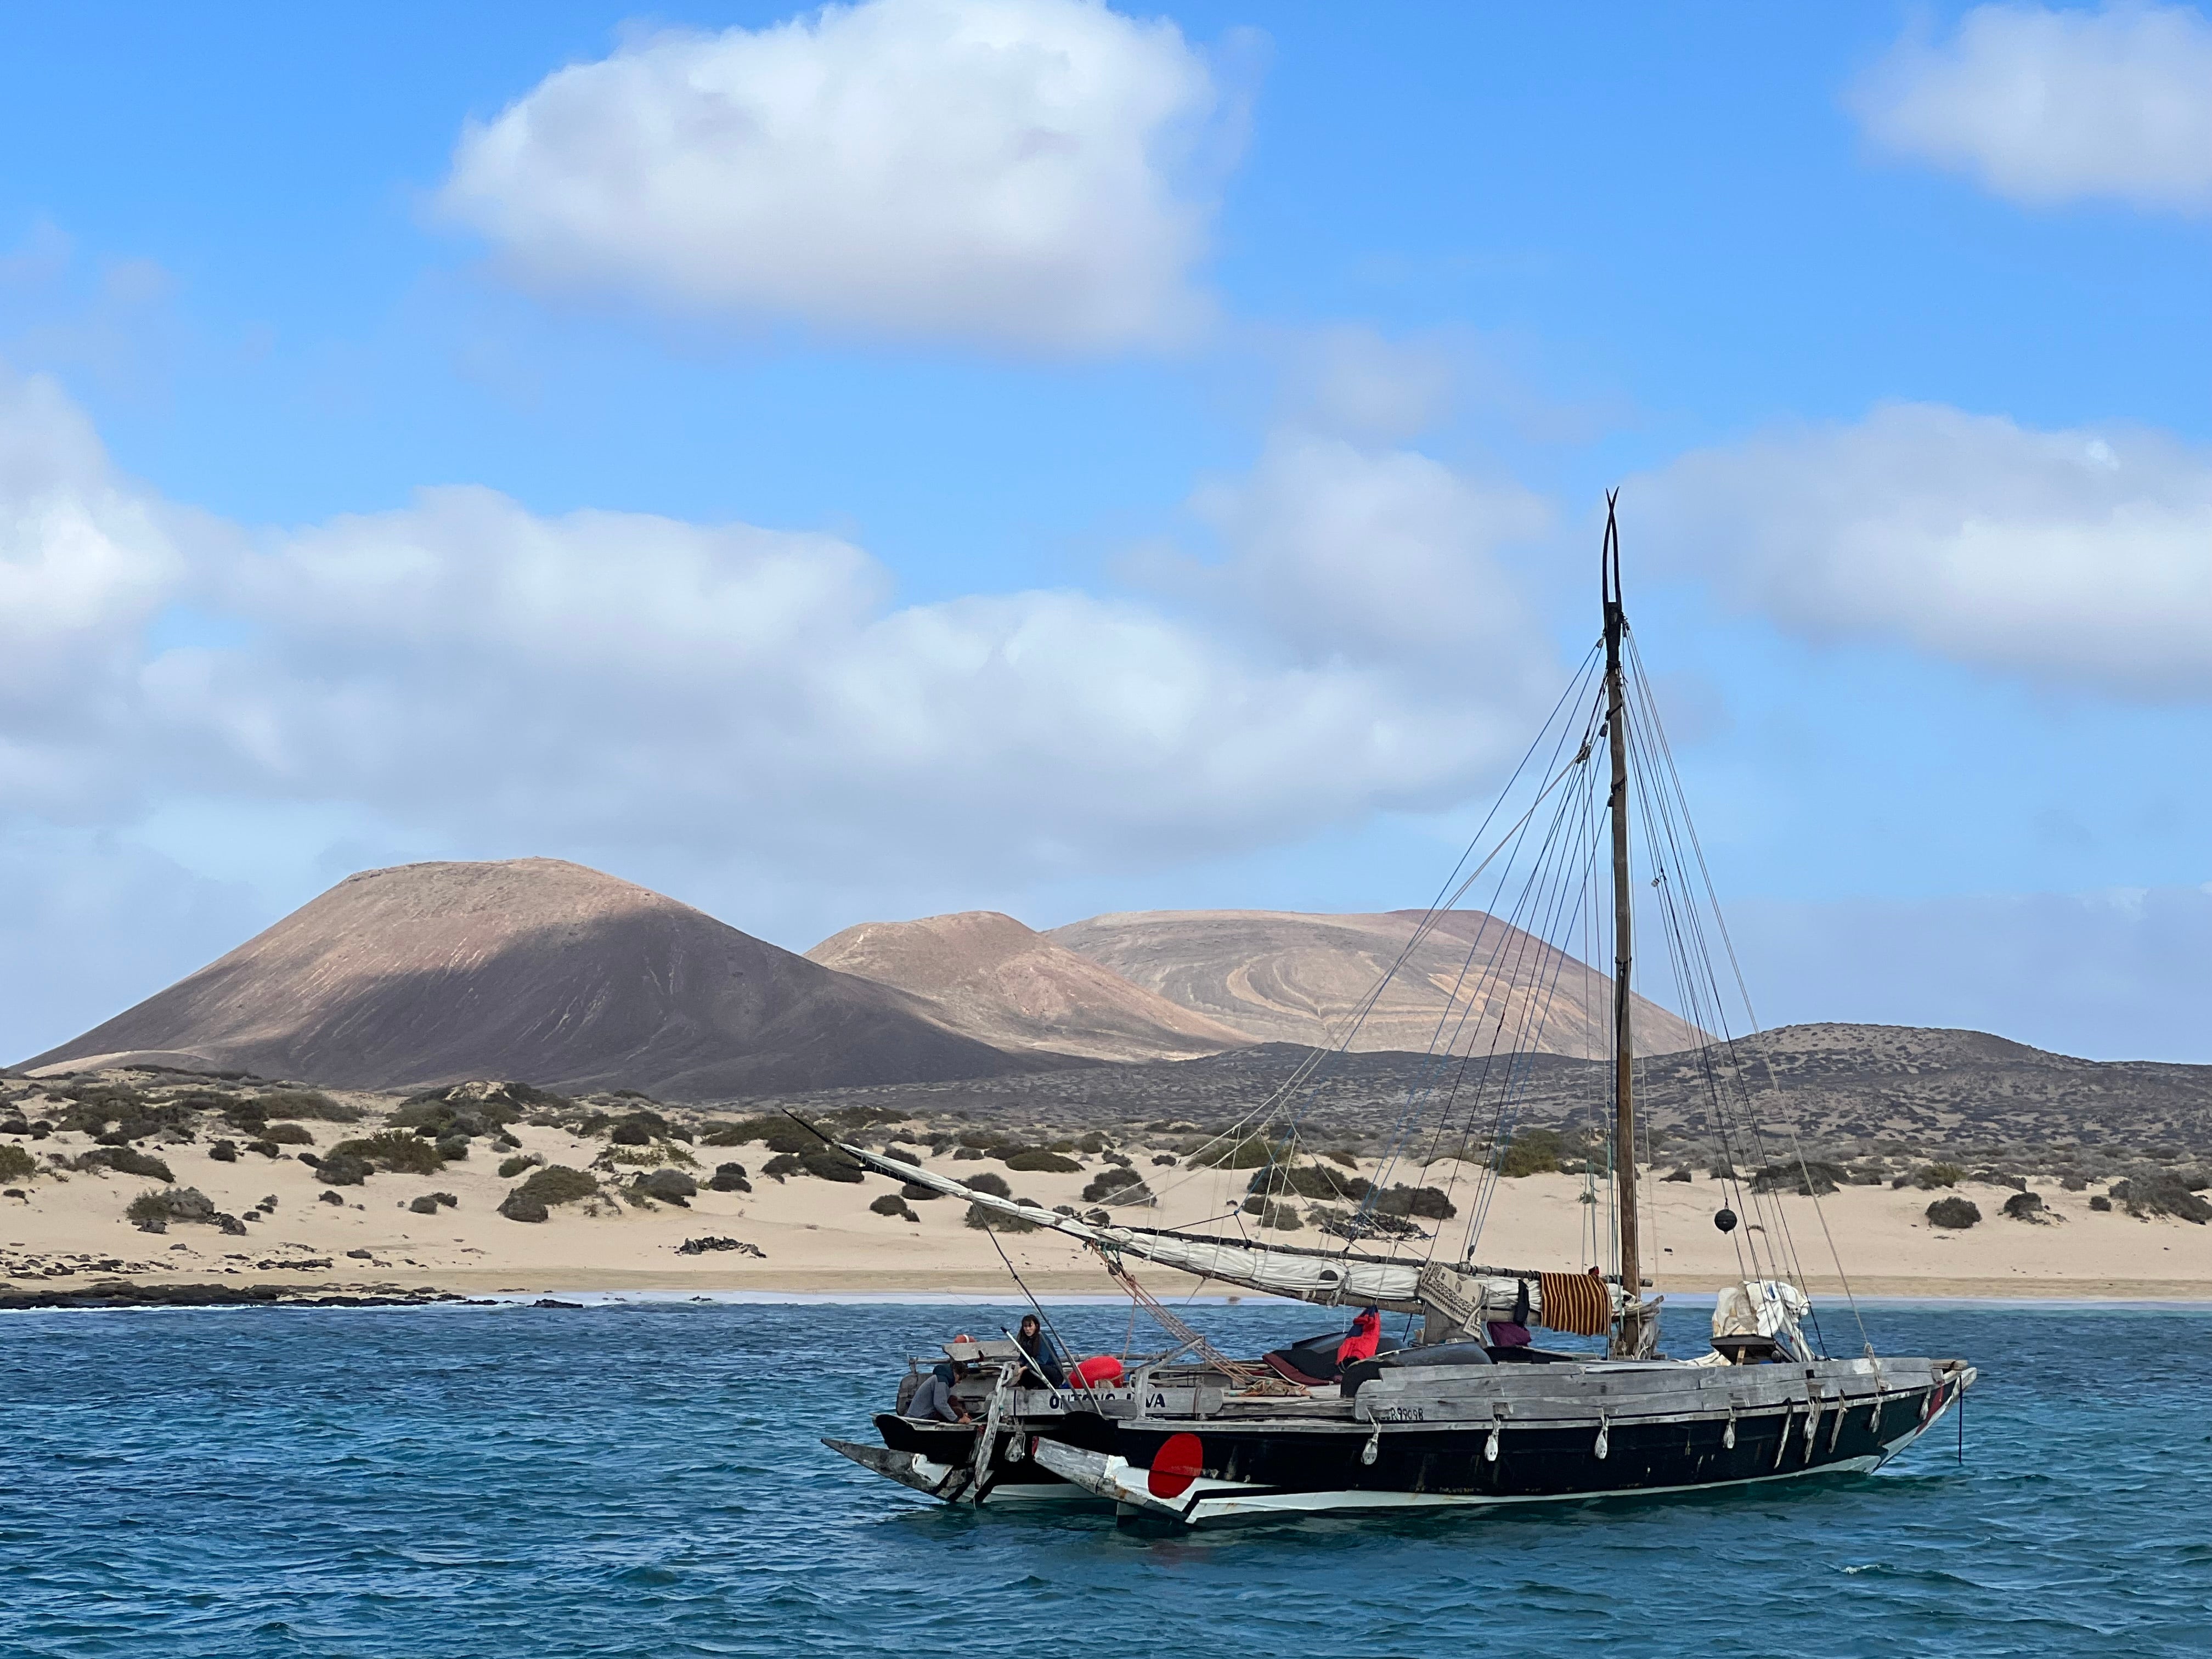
131 1294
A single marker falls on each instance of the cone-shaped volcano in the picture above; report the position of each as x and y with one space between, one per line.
538 970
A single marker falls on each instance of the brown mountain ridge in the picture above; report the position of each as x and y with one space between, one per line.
1284 976
988 977
537 968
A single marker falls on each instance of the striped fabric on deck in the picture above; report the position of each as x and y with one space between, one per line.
1575 1303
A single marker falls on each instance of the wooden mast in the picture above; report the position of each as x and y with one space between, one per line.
1629 1337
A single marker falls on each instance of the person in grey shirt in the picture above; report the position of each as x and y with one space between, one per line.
932 1402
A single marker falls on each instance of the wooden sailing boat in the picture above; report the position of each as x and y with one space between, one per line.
1468 1412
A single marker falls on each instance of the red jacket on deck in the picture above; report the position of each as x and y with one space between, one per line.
1366 1334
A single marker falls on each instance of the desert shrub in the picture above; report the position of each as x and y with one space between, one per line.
1789 1178
1678 1174
224 1151
287 1134
497 1103
393 1150
1310 1181
1246 1154
669 1186
1343 1155
984 1140
2074 1184
510 1168
997 1221
342 1169
1164 1160
2100 1202
1117 1185
2026 1206
1532 1151
1930 1177
2163 1194
863 1117
425 1204
328 1198
782 1165
518 1205
630 1132
1282 1218
17 1164
129 1160
454 1148
2000 1178
166 1205
91 1107
1032 1161
828 1165
1094 1143
915 1193
148 1213
1954 1212
207 1100
730 1178
745 1130
556 1183
1427 1202
303 1102
991 1182
892 1204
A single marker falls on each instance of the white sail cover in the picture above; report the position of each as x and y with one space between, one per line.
1765 1307
1330 1280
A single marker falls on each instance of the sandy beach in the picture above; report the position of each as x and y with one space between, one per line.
820 1236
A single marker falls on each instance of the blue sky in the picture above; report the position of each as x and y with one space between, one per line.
1191 516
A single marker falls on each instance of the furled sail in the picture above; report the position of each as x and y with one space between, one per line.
1458 1295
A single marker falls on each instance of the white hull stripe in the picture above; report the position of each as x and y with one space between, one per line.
1211 1500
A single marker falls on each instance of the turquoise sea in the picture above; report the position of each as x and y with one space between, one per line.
646 1479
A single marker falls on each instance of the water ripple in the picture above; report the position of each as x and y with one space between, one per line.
645 1479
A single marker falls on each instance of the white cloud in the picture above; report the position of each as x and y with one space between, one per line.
1352 554
2082 555
2046 106
1354 382
467 670
86 562
1024 173
621 677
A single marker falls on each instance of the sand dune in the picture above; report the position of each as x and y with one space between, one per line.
1280 976
536 969
986 975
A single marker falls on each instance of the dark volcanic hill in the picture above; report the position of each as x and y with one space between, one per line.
536 968
1840 1086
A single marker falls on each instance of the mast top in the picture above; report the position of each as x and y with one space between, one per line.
1608 569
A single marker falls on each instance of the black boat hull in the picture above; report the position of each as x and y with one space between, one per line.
1221 1470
